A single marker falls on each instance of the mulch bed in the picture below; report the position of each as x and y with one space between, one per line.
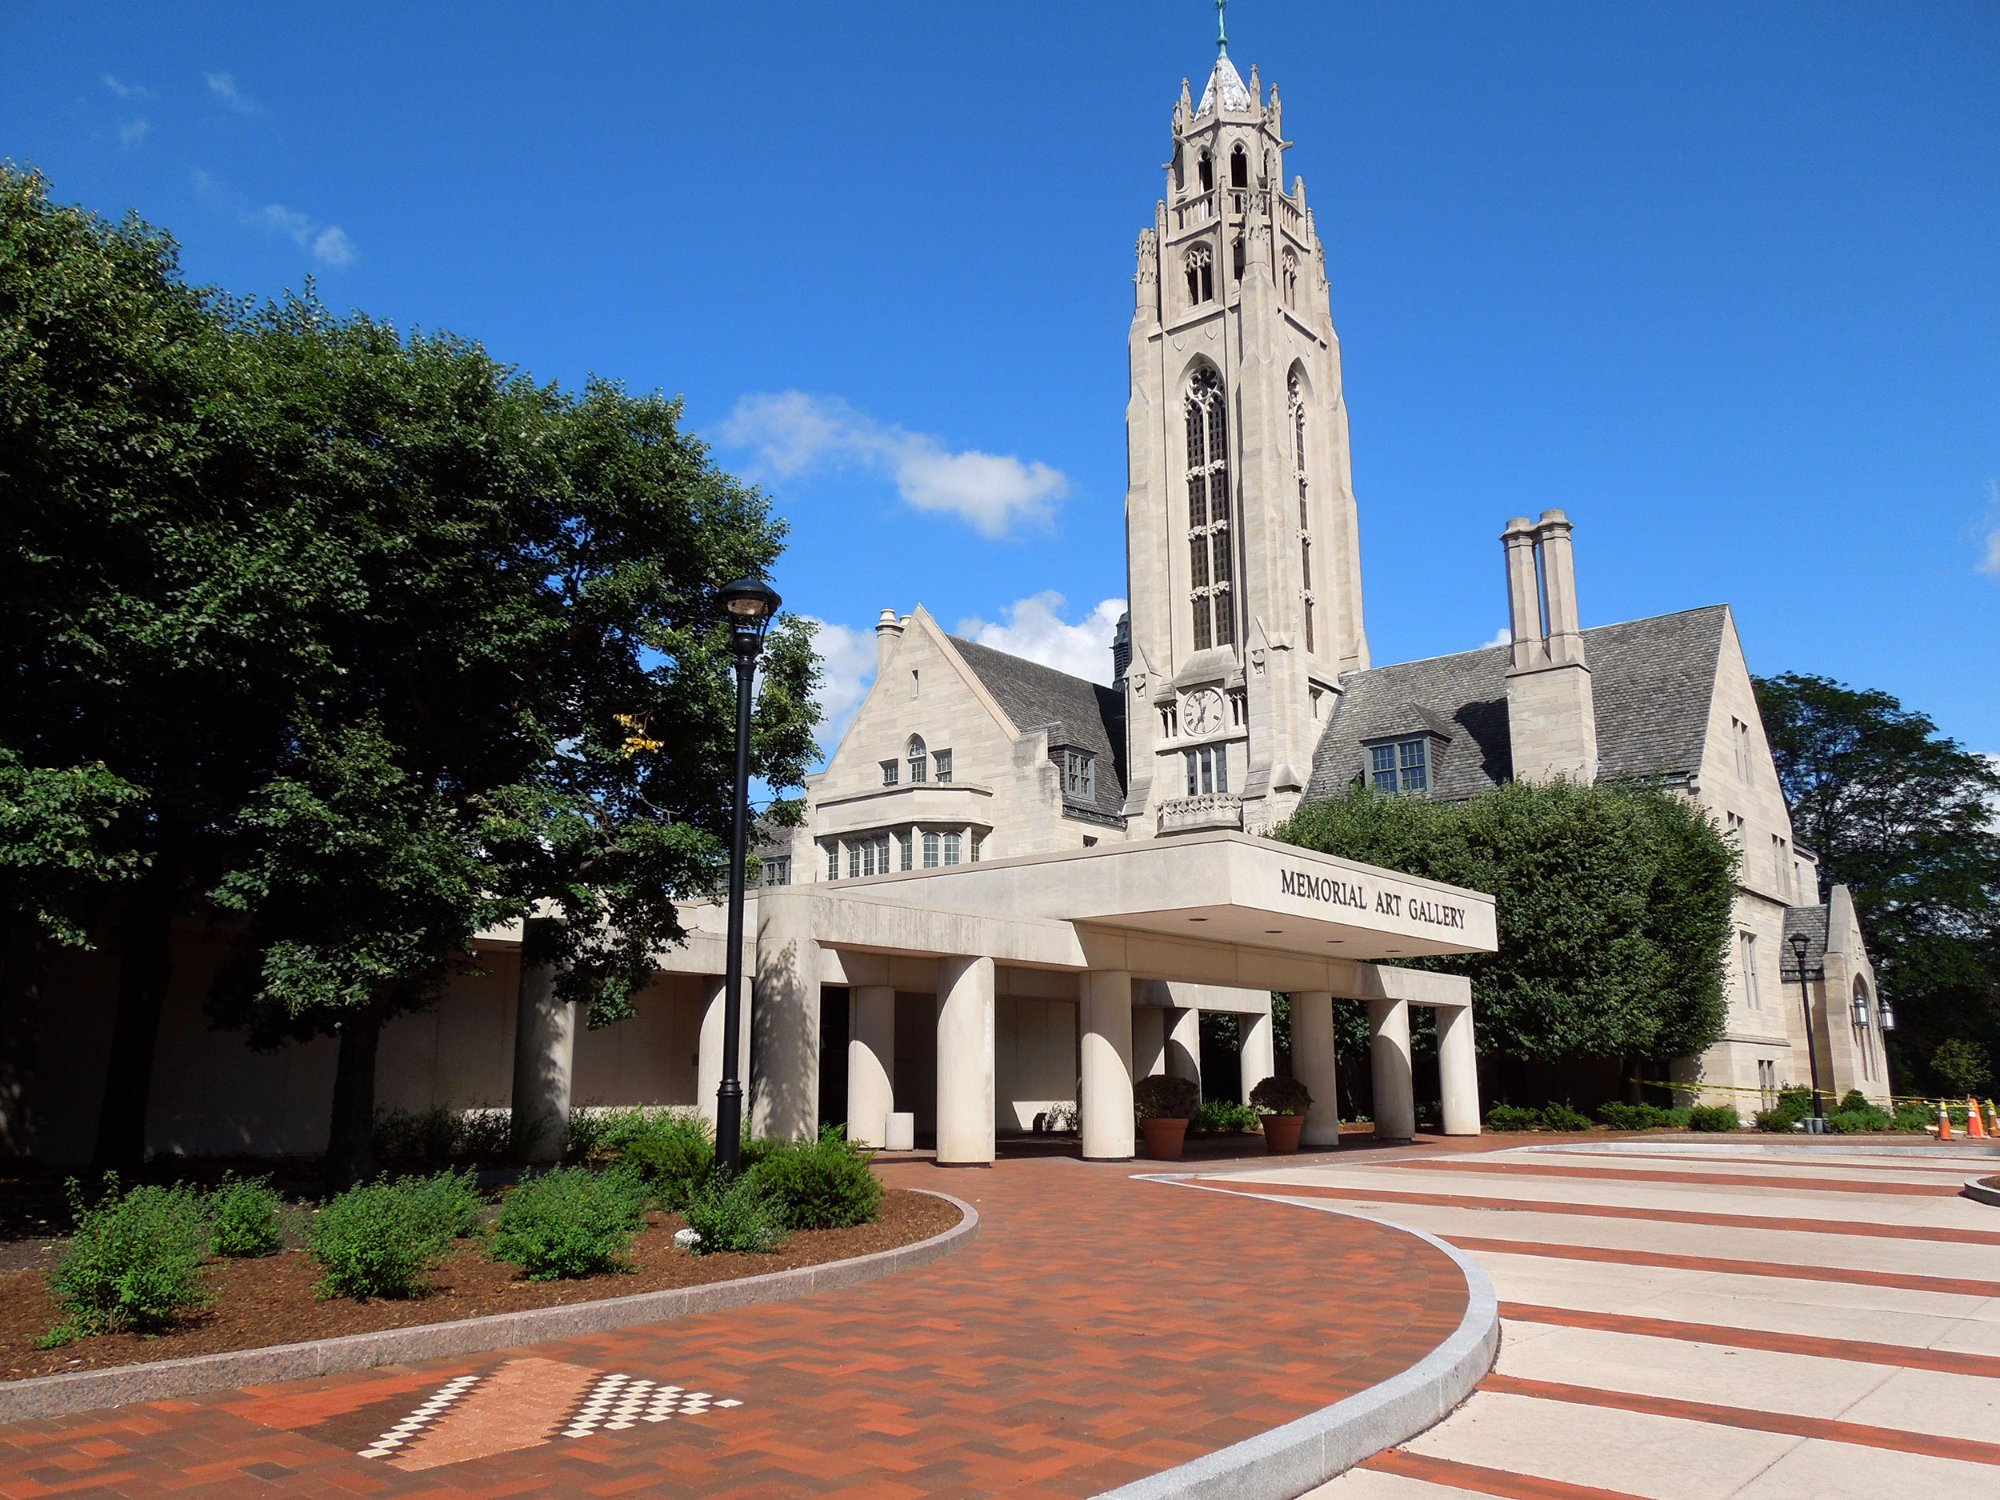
271 1301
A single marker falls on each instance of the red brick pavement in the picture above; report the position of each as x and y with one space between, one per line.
1097 1329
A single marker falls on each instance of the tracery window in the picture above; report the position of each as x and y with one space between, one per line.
1200 276
1298 405
918 759
1210 569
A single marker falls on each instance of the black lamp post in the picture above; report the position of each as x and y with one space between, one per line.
1799 945
749 603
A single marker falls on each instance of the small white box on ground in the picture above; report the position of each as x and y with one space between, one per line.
901 1134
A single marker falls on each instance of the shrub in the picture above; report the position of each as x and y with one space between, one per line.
1223 1117
486 1134
1281 1096
383 1238
245 1217
673 1151
1506 1117
570 1222
734 1214
412 1136
1776 1121
1564 1117
1164 1097
1797 1098
1914 1116
821 1184
1642 1117
1866 1119
1714 1117
134 1261
1853 1099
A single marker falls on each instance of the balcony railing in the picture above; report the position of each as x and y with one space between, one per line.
1200 814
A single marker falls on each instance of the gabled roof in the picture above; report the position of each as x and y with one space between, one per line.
1812 921
1076 712
1651 681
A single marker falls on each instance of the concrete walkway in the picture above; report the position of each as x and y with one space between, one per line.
1686 1324
1097 1330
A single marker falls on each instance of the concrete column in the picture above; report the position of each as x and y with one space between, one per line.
708 1059
1313 1065
544 1056
871 1063
1458 1070
784 1074
1389 1062
1105 1009
1149 1041
1184 1044
1259 1058
965 1062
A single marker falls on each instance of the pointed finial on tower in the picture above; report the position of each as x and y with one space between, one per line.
1221 28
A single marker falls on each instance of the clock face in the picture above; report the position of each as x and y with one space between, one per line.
1201 712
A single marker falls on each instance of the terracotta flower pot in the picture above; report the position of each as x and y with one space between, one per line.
1164 1138
1281 1134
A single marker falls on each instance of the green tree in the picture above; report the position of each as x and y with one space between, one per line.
1962 1067
1903 816
366 640
139 665
1613 905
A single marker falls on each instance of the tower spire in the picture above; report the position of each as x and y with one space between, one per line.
1221 28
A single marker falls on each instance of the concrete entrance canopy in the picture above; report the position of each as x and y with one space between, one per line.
1223 917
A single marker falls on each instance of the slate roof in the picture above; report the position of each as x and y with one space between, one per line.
1650 679
1084 714
1812 921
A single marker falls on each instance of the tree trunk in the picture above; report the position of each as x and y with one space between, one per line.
350 1141
145 962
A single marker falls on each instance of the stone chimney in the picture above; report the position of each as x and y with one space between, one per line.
1121 650
888 636
1551 714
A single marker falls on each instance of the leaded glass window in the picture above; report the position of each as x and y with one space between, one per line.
1210 567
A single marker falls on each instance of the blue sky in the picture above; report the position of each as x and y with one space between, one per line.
1722 280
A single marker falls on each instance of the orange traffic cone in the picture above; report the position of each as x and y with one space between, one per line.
1992 1119
1974 1126
1944 1122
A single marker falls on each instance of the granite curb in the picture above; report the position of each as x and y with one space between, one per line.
1839 1145
87 1390
1976 1189
1289 1460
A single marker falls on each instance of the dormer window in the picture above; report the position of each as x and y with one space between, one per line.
1080 775
1401 765
918 758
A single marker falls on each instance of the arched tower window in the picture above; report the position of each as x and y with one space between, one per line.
1204 169
1298 405
918 758
1239 169
1289 276
1200 267
1210 566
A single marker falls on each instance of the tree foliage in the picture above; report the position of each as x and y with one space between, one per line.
360 638
1905 818
1613 907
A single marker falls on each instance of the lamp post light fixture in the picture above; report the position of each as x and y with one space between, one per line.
749 604
1799 945
1884 1011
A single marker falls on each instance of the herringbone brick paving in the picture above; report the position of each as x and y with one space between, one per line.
1096 1330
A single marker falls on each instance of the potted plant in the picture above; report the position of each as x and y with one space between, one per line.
1164 1106
1283 1102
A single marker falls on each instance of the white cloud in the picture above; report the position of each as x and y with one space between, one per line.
847 668
126 90
327 243
132 132
795 433
1502 637
223 86
1035 629
332 246
1990 563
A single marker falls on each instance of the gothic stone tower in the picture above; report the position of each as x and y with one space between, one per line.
1241 537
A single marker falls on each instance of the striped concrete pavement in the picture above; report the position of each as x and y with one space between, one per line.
1701 1321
